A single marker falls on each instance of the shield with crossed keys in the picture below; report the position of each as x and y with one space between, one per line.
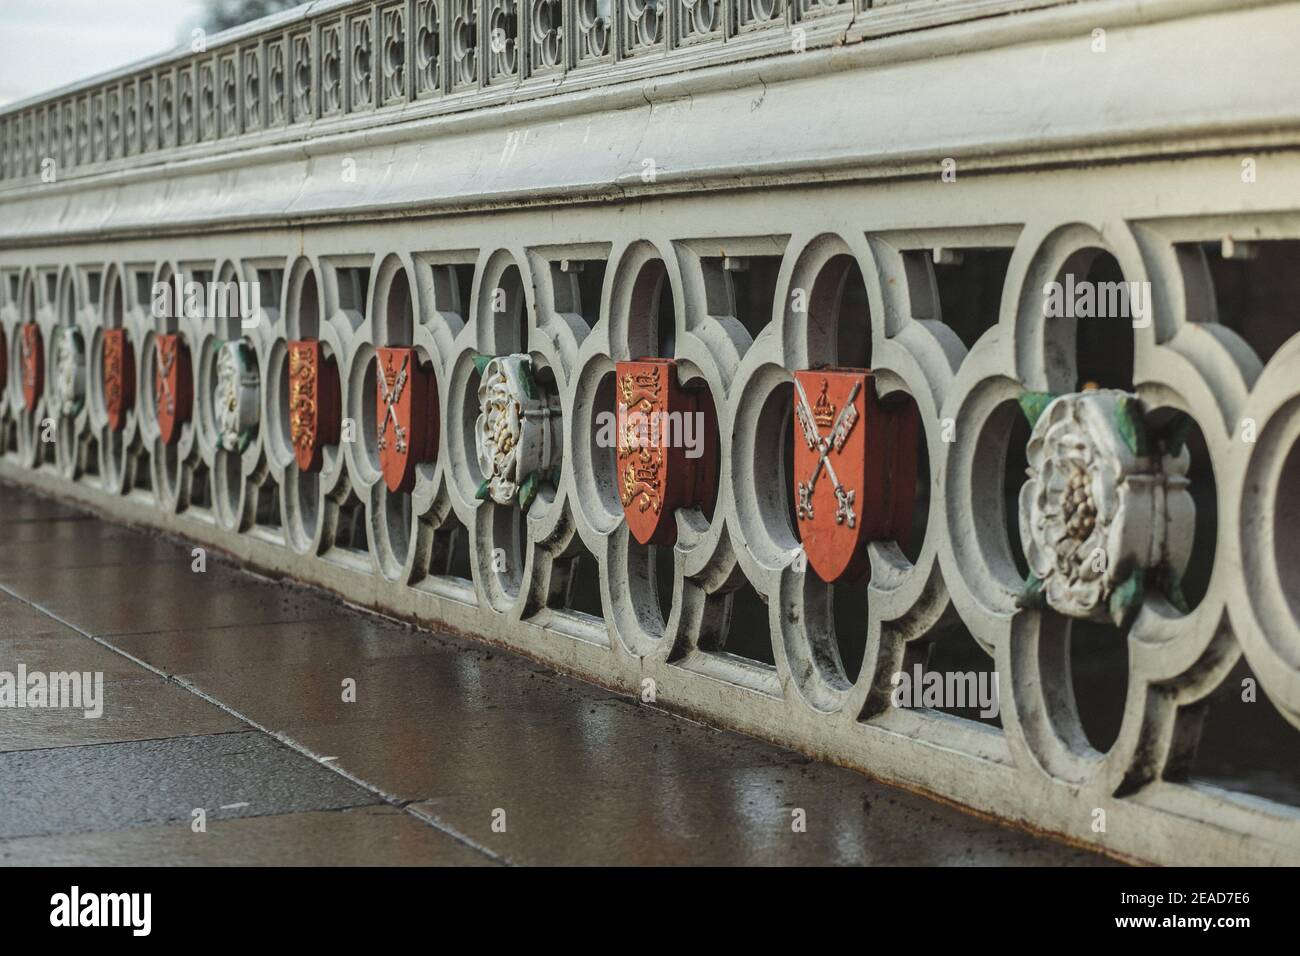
855 461
173 385
315 405
406 416
119 377
32 354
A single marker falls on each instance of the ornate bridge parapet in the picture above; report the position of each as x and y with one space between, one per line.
415 256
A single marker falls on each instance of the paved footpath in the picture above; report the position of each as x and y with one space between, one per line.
223 691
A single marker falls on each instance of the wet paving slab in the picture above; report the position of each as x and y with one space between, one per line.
355 836
146 782
227 693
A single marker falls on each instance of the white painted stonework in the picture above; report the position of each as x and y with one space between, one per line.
701 186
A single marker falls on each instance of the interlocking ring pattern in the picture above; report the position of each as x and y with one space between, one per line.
454 307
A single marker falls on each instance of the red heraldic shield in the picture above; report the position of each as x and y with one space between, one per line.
32 354
407 416
119 377
667 454
173 386
315 405
855 465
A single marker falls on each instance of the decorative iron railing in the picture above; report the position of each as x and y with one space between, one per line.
975 318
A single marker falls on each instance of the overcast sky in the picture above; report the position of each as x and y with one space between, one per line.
45 44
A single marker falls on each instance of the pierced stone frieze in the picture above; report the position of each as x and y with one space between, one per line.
393 53
361 50
428 48
595 26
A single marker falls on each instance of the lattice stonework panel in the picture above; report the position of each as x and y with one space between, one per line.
427 38
68 121
115 125
253 89
698 20
210 106
503 39
331 68
361 63
810 9
277 83
759 14
393 54
594 29
228 95
130 119
546 33
187 106
644 23
148 114
464 46
100 126
302 77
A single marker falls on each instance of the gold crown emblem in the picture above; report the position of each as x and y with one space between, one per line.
390 375
824 411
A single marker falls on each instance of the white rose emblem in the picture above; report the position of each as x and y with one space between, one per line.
1103 506
69 372
235 396
517 436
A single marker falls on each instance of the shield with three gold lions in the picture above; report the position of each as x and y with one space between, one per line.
32 361
667 455
119 377
173 385
315 406
855 464
406 412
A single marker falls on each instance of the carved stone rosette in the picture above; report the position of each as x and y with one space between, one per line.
68 389
1107 511
236 395
517 435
